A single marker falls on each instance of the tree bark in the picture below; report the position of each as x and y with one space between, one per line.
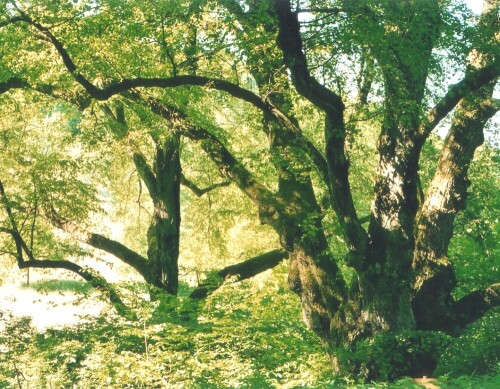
163 233
446 196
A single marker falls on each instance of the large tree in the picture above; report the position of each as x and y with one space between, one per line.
279 63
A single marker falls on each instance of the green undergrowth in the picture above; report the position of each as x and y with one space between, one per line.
247 334
79 287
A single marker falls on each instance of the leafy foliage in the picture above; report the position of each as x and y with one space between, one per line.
64 156
413 353
476 352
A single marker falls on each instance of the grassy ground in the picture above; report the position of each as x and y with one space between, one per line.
248 334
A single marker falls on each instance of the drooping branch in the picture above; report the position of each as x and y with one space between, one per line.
93 278
98 241
201 191
243 270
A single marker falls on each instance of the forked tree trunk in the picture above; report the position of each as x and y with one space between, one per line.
383 299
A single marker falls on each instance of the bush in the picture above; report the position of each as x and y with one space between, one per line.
389 356
476 351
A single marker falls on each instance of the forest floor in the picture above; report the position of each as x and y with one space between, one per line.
50 301
248 334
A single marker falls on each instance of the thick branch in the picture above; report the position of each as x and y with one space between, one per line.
113 247
473 306
145 172
445 197
230 168
290 43
80 100
243 270
13 83
128 84
234 90
472 81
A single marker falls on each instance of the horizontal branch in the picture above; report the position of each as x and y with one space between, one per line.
243 270
12 83
82 101
473 306
199 191
126 85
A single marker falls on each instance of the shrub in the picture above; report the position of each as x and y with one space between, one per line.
388 356
476 351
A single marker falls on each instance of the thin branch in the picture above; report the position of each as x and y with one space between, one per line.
329 10
201 191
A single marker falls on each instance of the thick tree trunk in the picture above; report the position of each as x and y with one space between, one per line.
163 233
385 280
